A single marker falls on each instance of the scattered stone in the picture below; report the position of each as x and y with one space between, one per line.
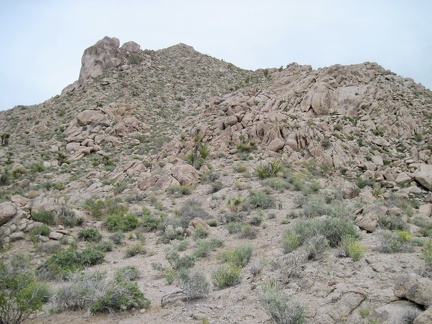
424 175
367 222
415 288
55 236
7 211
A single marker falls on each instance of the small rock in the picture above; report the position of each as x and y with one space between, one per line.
7 212
55 236
17 236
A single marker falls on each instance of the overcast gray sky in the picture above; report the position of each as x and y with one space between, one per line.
43 40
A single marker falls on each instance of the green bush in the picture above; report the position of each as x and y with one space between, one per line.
101 208
317 234
234 227
260 199
92 291
392 223
315 246
180 190
226 276
67 217
62 263
43 216
200 233
117 238
40 230
276 183
21 294
192 208
247 232
215 187
268 170
238 256
121 222
151 221
244 147
427 253
128 273
133 250
290 241
352 247
177 262
204 247
104 246
393 242
278 306
204 150
90 234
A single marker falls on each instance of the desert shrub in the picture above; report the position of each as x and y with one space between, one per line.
256 220
260 199
234 227
425 226
193 285
240 168
392 223
268 170
178 262
117 238
315 246
92 291
247 232
200 233
276 183
67 217
246 147
21 294
40 230
128 273
290 241
226 275
204 247
427 253
180 190
101 208
203 150
215 187
90 234
399 241
238 256
333 229
192 208
183 245
135 249
235 204
209 176
63 262
121 222
313 206
43 216
318 234
278 305
104 246
151 221
352 247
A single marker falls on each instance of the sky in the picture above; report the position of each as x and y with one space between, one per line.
43 40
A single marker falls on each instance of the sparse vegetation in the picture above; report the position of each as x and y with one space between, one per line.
21 294
278 305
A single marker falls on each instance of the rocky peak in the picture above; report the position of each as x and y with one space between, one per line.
105 55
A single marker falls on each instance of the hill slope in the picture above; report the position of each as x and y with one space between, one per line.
191 156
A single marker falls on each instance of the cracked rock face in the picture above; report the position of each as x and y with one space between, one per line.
103 56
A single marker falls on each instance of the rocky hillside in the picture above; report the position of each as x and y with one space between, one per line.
167 161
